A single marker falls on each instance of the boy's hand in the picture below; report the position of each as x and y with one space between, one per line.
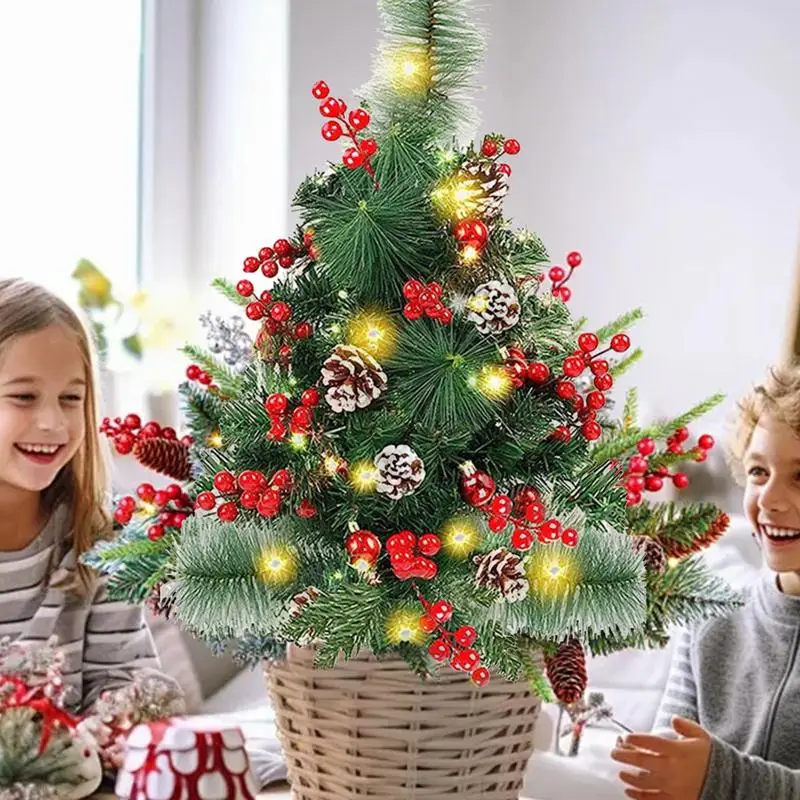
673 769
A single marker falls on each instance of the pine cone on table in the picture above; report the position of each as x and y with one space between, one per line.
566 671
502 570
353 379
655 559
494 307
166 456
400 471
489 183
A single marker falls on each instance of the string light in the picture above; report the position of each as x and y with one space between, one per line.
277 565
214 439
460 537
364 477
403 625
552 573
374 332
409 69
494 383
470 254
331 464
457 197
298 441
147 509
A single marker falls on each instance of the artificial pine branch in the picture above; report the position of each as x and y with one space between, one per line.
202 409
227 289
225 378
630 412
619 325
621 367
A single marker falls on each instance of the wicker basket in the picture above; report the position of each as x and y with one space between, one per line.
373 729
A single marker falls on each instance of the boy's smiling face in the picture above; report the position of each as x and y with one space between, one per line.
772 493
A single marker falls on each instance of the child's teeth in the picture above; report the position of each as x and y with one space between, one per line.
47 449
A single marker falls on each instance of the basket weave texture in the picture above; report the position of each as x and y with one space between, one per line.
374 729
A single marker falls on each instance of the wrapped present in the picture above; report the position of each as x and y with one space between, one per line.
185 759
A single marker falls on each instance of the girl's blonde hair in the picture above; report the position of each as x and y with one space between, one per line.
82 484
777 397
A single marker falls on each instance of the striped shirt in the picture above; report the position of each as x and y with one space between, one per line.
104 642
739 677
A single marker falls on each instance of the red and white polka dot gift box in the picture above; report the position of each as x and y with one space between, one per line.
185 759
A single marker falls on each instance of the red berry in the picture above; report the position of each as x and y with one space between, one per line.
276 404
550 530
204 378
277 431
573 366
254 311
250 264
521 539
331 130
439 650
466 660
368 147
265 252
151 430
441 611
133 422
635 483
604 382
638 464
250 480
193 372
352 158
653 483
405 540
244 288
504 168
146 492
620 343
680 481
497 524
429 544
124 442
569 537
174 491
306 509
501 505
303 330
428 624
302 417
706 442
269 268
310 397
446 316
562 433
646 447
564 292
489 148
574 259
282 480
588 342
413 311
599 366
320 90
270 504
633 498
595 400
534 512
160 499
206 501
682 434
466 636
358 118
228 512
224 482
281 312
122 516
412 289
538 372
511 147
155 532
556 274
285 353
480 676
286 261
565 390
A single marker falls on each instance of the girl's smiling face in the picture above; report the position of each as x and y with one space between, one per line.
42 399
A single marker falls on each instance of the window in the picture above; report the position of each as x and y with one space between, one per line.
69 138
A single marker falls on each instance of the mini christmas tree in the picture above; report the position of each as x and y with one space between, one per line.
410 453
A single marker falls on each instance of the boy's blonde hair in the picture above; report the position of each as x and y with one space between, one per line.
82 484
778 397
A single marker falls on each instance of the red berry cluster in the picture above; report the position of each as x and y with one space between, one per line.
409 556
283 253
455 646
250 490
525 511
496 144
301 419
172 503
128 431
338 125
559 276
425 300
198 375
638 475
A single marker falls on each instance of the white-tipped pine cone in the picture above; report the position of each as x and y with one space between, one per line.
502 570
653 555
353 379
301 601
490 184
400 471
494 307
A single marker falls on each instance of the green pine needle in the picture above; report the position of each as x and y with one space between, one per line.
619 325
225 378
621 367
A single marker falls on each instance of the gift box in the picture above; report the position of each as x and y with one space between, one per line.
184 759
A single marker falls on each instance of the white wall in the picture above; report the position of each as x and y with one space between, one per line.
662 139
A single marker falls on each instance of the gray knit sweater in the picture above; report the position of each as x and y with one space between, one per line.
739 677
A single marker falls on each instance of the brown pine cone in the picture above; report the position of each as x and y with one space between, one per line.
353 379
566 671
502 570
655 559
486 184
167 456
718 526
301 601
400 471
